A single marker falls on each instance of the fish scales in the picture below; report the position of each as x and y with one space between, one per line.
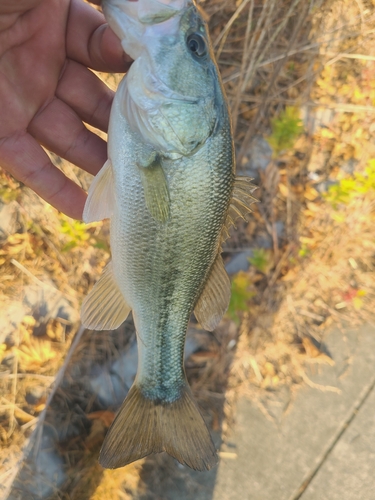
170 190
167 263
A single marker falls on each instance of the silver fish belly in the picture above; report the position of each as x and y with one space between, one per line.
170 191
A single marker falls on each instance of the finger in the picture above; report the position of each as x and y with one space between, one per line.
86 94
23 157
59 129
91 42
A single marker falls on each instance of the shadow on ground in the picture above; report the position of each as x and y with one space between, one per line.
60 461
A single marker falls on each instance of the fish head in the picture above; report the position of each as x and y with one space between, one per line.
183 56
185 63
174 98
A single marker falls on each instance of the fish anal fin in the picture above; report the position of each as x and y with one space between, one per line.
144 426
241 202
104 308
99 203
214 300
156 192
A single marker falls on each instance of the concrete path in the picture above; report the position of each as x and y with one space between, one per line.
322 447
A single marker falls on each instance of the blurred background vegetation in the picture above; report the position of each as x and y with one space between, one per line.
300 80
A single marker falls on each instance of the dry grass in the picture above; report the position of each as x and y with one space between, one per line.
332 286
314 55
323 274
263 53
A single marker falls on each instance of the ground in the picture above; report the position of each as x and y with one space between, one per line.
302 265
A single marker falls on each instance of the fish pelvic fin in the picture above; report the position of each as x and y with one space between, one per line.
214 300
240 205
104 308
144 426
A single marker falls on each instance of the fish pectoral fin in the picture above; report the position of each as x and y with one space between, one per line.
214 300
240 204
156 190
99 203
104 308
143 426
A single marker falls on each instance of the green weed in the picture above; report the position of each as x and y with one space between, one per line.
75 232
285 130
241 294
352 187
7 195
261 260
78 234
304 251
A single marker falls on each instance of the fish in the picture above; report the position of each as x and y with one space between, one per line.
170 191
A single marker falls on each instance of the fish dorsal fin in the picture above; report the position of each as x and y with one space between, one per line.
156 191
240 204
214 300
99 203
105 307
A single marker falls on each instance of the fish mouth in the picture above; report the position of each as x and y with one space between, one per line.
131 19
149 11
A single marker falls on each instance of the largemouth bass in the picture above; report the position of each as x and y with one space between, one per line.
170 191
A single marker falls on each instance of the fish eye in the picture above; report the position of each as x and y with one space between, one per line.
197 44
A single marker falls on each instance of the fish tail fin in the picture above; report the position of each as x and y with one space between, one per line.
144 426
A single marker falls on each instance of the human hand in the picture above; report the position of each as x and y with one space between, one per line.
47 90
